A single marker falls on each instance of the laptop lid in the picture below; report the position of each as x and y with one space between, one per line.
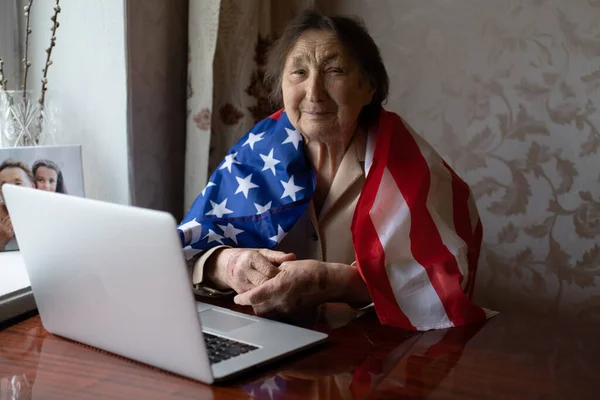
110 276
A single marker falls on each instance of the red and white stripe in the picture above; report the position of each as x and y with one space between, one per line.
416 233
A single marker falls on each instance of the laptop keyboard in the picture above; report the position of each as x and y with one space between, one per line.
220 349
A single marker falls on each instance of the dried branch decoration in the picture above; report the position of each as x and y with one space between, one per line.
55 25
26 62
26 122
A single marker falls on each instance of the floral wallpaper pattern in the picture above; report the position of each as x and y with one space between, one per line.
509 93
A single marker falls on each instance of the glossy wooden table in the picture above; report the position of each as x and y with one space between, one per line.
508 357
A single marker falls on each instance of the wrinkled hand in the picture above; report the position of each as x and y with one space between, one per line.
299 284
245 269
6 231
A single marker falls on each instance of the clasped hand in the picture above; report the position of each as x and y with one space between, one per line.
272 282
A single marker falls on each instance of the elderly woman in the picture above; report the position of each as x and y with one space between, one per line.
333 199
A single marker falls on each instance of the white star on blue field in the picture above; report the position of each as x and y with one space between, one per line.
256 194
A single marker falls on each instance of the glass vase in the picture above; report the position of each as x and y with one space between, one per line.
24 121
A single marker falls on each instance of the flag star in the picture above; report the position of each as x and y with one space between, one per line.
290 189
252 138
261 209
245 185
212 236
219 209
229 161
293 137
280 235
270 162
189 252
230 232
209 184
194 227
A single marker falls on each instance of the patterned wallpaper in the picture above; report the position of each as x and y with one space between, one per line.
509 93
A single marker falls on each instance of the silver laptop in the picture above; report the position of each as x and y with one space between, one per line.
114 277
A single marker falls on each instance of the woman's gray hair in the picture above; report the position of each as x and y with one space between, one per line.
355 38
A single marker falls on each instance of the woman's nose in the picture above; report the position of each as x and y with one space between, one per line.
315 92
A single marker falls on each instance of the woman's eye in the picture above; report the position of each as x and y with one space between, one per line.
298 72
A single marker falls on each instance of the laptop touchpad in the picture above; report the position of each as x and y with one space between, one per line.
223 321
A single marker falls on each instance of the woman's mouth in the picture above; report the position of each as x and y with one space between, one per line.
317 113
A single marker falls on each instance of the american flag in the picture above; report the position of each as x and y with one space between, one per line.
416 231
256 194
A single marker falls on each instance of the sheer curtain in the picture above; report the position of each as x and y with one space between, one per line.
202 30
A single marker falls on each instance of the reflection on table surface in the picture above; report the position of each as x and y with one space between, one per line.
506 357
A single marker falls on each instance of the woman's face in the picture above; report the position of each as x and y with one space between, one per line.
15 176
323 88
45 179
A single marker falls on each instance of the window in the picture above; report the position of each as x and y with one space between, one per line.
10 41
